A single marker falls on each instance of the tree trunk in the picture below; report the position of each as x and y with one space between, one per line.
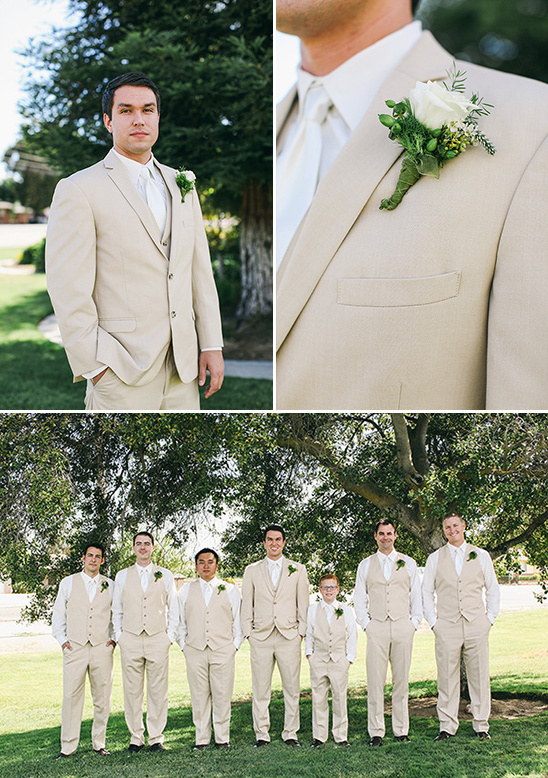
256 251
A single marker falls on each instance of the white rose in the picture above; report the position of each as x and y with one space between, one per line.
434 105
190 176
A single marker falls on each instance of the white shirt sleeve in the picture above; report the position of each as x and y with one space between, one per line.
414 592
117 611
492 588
172 604
361 600
429 588
59 612
182 630
310 621
235 602
352 640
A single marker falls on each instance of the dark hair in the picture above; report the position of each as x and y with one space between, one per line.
144 532
384 523
452 514
414 5
91 544
206 551
326 576
127 79
273 528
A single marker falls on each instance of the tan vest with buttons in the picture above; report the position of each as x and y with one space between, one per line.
387 599
208 626
88 622
144 611
329 641
459 595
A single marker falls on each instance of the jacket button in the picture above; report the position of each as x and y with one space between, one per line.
164 243
170 276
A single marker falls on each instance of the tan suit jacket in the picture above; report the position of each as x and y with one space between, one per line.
122 292
441 303
265 608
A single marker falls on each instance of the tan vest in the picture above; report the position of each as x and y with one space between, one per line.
388 599
329 641
208 626
144 611
459 595
88 622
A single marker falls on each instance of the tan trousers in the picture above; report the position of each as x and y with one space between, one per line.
473 638
388 641
210 677
287 654
166 392
95 662
323 674
145 654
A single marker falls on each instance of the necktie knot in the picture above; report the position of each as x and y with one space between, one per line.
316 104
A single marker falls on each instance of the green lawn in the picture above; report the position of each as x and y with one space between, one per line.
31 709
35 374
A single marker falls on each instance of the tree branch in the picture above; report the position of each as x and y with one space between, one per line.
503 547
403 445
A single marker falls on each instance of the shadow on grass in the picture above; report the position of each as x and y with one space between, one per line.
29 310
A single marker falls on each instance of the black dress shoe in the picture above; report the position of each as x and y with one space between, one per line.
158 747
200 747
102 751
443 735
483 735
261 743
375 741
222 745
293 742
402 739
133 748
62 756
342 743
316 743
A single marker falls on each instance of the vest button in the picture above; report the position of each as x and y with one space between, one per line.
164 243
170 277
173 314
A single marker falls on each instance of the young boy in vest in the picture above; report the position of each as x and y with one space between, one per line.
81 623
331 647
209 635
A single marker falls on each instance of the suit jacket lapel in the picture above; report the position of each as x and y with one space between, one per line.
346 188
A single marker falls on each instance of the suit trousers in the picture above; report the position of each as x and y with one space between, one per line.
472 637
95 662
388 641
286 653
324 672
165 392
210 677
145 654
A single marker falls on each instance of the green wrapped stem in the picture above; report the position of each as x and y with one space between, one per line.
409 175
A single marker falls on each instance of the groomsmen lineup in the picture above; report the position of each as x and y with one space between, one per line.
142 612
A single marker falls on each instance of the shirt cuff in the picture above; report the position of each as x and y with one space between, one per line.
214 348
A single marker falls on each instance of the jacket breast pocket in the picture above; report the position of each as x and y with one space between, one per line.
398 292
118 325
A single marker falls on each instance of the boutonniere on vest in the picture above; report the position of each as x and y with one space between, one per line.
157 575
433 125
185 181
104 586
471 555
399 564
292 569
221 588
339 612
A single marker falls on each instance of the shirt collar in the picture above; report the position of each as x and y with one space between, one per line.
276 562
392 556
88 579
353 85
148 568
134 168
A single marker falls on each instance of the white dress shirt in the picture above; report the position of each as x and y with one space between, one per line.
59 612
350 622
135 170
351 87
458 555
172 607
207 592
275 569
387 562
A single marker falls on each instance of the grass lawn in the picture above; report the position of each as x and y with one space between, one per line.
35 375
31 710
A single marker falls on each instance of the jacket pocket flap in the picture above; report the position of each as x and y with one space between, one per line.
118 325
398 292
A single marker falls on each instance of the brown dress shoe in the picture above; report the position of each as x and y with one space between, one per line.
102 751
443 735
402 739
261 743
375 741
293 742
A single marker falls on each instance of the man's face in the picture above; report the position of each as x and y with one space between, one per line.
143 549
329 590
274 543
134 122
92 559
453 529
386 536
206 566
307 18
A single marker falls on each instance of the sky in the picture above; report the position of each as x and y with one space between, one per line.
21 20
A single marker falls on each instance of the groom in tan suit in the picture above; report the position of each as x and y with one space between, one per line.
440 303
128 269
274 605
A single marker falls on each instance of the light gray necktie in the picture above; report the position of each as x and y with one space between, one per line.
298 175
92 588
208 591
155 201
274 573
144 579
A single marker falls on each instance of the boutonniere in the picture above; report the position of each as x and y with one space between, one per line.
399 564
104 586
471 555
221 588
292 569
434 124
185 181
157 575
339 612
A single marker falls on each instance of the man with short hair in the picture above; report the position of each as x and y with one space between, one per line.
330 647
145 617
274 604
128 269
209 635
455 578
81 623
387 601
